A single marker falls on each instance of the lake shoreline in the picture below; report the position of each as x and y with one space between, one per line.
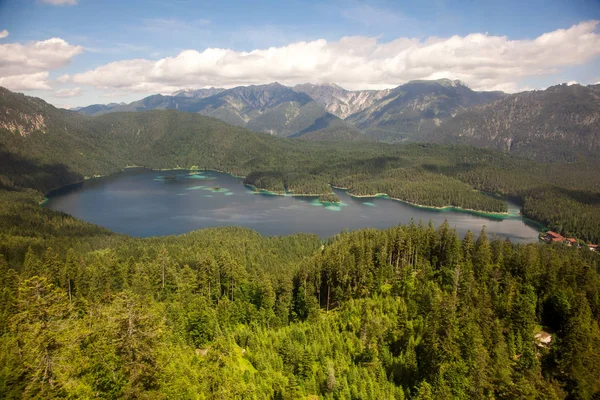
451 208
291 194
271 193
267 216
380 195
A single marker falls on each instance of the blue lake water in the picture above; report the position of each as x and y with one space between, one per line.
143 203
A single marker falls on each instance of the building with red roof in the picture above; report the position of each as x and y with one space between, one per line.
553 237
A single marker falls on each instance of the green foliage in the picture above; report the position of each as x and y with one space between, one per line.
408 312
556 124
329 198
411 312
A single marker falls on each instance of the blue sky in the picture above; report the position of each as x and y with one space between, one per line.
118 31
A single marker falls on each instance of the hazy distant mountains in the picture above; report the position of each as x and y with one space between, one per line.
274 109
198 93
97 109
416 108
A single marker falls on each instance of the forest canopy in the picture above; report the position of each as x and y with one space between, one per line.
410 312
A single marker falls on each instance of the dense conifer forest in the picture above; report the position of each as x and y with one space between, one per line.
411 312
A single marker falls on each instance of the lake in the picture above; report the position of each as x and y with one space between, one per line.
142 203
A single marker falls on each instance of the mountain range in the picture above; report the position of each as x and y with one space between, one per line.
391 115
273 109
417 108
560 122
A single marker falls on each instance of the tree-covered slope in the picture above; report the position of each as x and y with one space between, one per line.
410 312
96 109
556 124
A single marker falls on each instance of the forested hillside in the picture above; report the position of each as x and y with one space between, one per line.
44 147
406 313
560 123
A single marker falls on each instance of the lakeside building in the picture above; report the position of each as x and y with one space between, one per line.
553 237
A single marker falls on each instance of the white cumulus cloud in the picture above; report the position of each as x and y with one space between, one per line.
63 78
73 92
16 58
26 66
35 81
3 33
484 62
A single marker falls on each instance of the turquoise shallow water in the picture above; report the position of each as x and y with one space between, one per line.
145 203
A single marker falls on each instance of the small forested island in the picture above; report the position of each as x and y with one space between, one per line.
216 188
329 198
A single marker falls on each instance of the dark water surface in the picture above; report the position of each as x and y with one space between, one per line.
143 203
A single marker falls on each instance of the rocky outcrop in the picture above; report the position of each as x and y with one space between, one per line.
20 123
339 101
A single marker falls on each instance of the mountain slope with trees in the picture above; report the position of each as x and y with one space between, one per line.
410 312
560 123
414 109
556 124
